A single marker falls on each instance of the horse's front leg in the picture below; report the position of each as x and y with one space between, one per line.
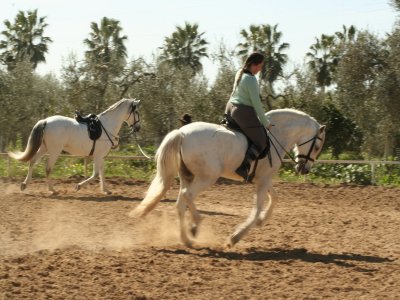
242 229
91 178
49 167
102 178
266 214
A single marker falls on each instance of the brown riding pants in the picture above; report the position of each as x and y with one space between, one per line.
246 117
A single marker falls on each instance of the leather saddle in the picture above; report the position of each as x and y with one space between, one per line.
93 124
230 123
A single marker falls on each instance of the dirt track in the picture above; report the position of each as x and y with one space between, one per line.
323 242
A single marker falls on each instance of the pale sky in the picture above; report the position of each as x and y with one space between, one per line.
147 23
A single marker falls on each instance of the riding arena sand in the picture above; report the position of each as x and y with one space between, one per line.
323 242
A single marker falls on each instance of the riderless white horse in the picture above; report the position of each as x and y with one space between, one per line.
57 133
201 153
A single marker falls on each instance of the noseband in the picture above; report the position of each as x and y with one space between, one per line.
308 157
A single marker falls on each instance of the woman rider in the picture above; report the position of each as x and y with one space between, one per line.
245 108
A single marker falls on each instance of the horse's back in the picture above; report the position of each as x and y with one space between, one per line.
208 129
61 119
66 133
207 146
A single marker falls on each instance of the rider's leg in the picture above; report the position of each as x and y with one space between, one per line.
246 118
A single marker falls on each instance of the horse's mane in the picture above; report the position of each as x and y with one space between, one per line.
115 105
286 111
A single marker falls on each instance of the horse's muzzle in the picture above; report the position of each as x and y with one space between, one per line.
135 128
301 168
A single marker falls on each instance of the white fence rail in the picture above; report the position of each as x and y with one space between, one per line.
372 163
85 160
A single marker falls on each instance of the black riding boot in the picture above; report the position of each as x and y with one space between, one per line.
252 153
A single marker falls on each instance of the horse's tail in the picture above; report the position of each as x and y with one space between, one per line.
168 158
34 142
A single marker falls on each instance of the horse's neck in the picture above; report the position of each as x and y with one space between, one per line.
288 136
112 120
283 137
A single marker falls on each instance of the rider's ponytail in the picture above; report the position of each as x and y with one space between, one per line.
253 59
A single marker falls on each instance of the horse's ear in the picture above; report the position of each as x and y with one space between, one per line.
322 129
136 102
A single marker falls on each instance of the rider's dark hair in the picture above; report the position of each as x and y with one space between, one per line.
254 58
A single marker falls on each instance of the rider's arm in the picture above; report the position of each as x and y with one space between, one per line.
254 93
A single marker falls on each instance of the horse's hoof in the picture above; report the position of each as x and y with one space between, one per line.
23 186
233 240
77 187
107 192
133 214
188 243
53 193
194 230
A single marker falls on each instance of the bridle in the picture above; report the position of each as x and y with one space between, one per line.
308 157
134 130
135 121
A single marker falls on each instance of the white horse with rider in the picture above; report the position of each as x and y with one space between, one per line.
201 152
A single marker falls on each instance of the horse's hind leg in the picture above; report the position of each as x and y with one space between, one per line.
181 207
242 229
36 158
187 194
49 167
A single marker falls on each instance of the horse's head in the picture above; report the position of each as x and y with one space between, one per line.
133 119
307 150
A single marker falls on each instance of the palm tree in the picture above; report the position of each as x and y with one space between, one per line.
185 47
24 40
105 59
265 39
322 60
395 4
347 35
106 45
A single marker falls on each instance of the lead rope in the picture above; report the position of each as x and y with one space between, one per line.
140 148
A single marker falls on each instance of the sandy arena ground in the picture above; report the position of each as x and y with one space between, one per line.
323 242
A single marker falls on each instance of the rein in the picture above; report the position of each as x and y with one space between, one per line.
283 148
306 157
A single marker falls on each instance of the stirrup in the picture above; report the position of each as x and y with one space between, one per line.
245 168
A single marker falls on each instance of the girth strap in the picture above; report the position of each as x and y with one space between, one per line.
92 150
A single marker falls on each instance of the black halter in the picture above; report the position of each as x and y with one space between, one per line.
132 111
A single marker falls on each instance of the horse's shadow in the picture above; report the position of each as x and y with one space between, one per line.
203 212
97 198
278 254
